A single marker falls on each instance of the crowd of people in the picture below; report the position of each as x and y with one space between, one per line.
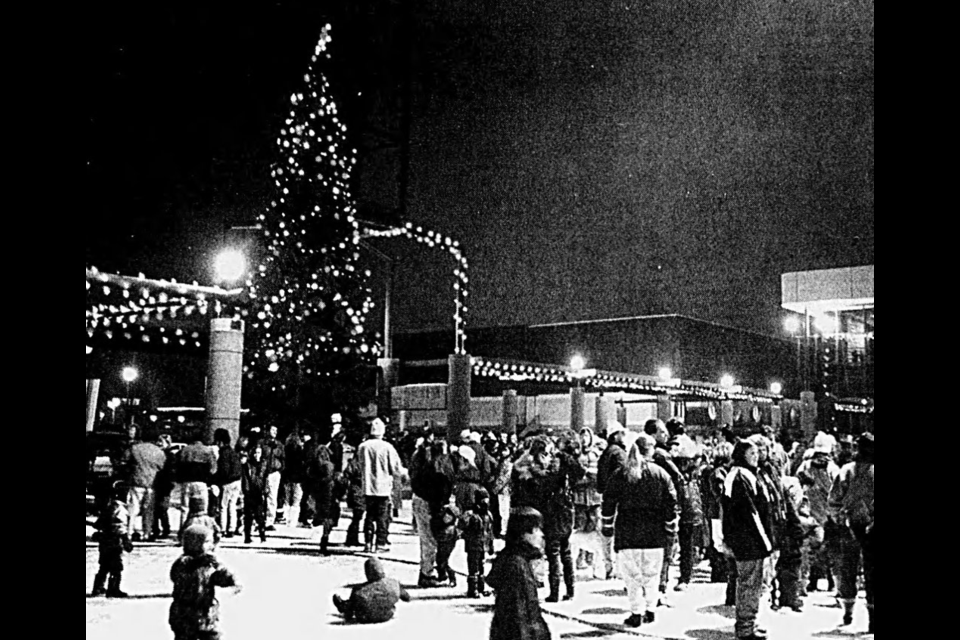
623 504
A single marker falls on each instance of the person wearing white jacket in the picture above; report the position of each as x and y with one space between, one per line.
380 464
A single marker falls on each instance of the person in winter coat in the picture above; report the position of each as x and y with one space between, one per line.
516 612
477 527
640 507
195 611
294 476
374 601
613 458
142 462
586 499
353 477
113 541
817 475
852 505
746 534
712 484
229 478
274 456
320 482
381 467
691 518
444 526
798 527
501 487
658 430
198 516
467 478
770 484
543 481
255 489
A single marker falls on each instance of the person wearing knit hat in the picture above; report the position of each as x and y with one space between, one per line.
198 517
381 467
195 611
468 454
465 436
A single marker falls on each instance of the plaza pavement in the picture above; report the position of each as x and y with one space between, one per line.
287 589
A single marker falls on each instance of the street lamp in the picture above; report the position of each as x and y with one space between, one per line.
129 375
229 266
727 381
665 373
776 388
577 363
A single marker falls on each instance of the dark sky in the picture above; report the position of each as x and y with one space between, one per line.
596 159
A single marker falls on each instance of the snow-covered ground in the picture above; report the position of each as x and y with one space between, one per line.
287 589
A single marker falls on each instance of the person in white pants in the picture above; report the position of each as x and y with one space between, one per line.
640 507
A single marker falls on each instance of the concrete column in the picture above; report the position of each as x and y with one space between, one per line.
622 415
664 407
390 373
726 412
224 377
576 409
458 395
93 395
776 417
510 411
602 409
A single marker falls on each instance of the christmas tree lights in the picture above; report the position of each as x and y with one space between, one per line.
309 299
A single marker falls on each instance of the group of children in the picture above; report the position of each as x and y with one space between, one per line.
194 612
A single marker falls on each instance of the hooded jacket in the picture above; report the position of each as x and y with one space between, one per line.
195 609
613 458
585 493
516 614
547 489
645 506
376 601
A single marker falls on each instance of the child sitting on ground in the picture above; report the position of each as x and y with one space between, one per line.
376 600
198 515
477 527
113 541
195 612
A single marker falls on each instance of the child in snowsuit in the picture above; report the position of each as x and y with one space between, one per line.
113 541
477 527
199 516
195 612
376 600
443 526
255 489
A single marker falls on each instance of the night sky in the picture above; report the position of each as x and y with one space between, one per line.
596 159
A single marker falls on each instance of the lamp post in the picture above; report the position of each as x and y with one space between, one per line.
577 364
225 361
129 375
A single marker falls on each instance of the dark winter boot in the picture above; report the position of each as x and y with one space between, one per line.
113 590
554 588
324 544
472 587
569 580
870 610
353 539
481 586
99 582
848 612
452 577
830 583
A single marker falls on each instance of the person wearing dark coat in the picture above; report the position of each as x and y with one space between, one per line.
543 480
613 458
746 535
255 490
320 481
640 507
657 429
516 613
374 601
477 527
356 501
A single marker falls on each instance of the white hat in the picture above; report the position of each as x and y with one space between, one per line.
823 443
468 454
614 427
377 428
465 435
476 437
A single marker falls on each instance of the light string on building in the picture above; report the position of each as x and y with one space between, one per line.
514 371
461 280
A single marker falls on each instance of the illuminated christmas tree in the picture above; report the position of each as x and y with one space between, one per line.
310 298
